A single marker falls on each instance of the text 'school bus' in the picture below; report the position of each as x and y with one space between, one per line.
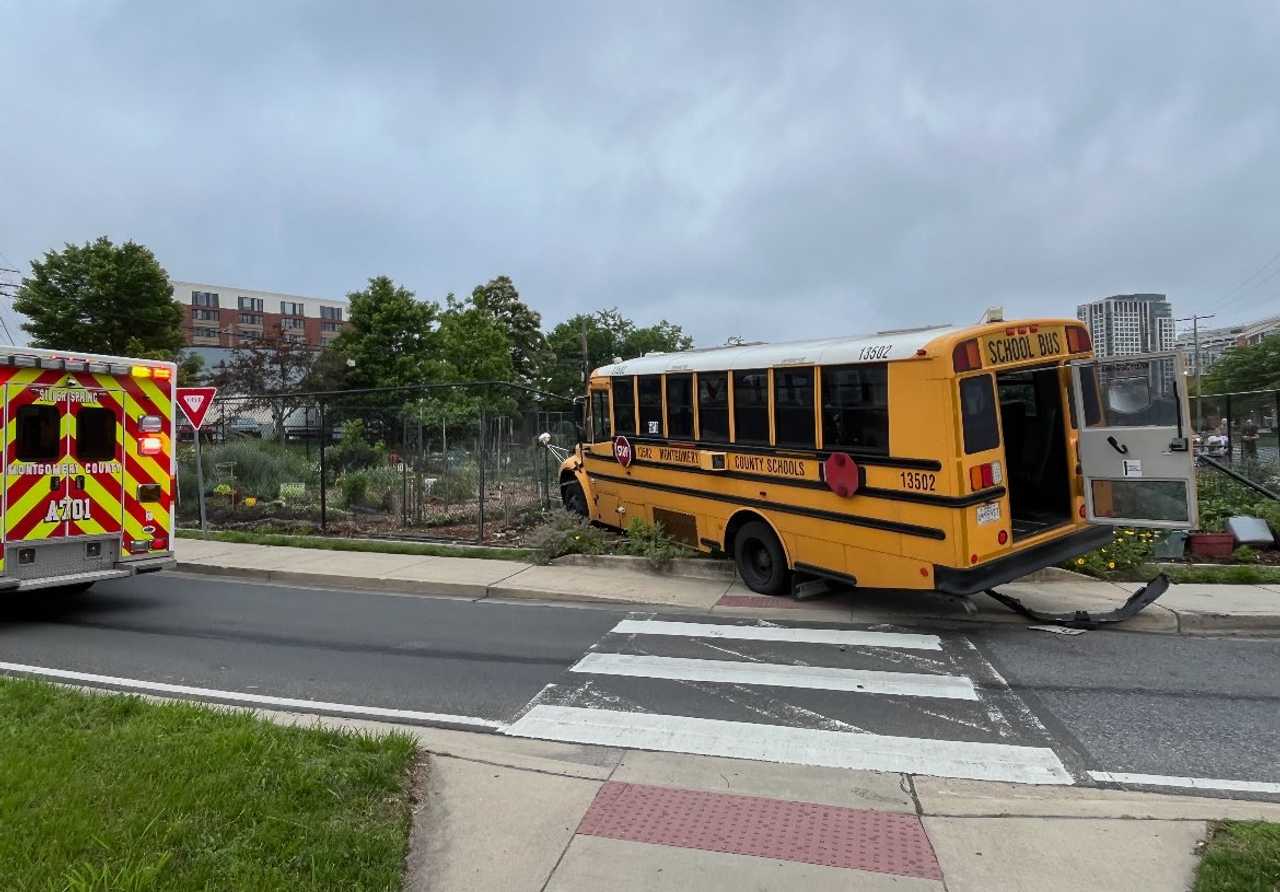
89 468
952 459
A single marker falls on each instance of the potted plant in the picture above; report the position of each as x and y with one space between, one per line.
1211 544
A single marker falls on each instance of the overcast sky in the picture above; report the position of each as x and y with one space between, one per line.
748 168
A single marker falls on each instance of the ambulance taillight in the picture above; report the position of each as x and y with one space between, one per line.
150 446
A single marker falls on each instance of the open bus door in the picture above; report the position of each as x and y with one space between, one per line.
1135 441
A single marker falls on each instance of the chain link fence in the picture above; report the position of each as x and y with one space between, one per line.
1241 429
451 462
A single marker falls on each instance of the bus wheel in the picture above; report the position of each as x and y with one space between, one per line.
574 499
761 563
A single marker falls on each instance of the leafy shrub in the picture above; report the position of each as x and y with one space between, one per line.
1128 550
353 487
565 533
1244 555
354 450
460 484
260 466
651 541
1270 512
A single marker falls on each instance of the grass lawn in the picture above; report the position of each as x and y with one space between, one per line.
1242 856
108 792
379 546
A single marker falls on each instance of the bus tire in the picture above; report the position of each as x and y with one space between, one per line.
761 561
573 498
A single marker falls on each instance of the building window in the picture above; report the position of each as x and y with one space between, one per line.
204 299
331 313
680 406
200 332
250 319
713 406
290 323
252 304
751 406
793 407
651 406
855 408
329 325
290 308
624 407
202 315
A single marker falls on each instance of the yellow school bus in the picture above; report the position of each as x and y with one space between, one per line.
950 459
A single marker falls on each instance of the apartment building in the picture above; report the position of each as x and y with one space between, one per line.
224 316
1129 324
1215 342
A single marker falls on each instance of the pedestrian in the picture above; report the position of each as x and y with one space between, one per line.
1249 439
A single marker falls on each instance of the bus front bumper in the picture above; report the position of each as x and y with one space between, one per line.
970 580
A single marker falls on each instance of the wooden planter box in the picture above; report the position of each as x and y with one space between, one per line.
1211 544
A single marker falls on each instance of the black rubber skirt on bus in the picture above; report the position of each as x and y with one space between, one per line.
970 580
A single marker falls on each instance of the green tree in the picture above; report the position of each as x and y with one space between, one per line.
392 337
521 324
1256 367
473 346
101 298
608 334
263 368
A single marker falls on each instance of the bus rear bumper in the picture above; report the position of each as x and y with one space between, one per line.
970 580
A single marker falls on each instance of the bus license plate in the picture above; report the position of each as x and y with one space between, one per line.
989 513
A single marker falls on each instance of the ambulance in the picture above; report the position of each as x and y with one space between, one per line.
89 468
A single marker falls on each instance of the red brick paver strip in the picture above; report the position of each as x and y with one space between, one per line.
808 832
756 601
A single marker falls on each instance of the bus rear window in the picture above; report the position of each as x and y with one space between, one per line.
599 416
624 406
650 406
713 406
978 406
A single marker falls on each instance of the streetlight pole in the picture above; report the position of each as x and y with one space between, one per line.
1194 319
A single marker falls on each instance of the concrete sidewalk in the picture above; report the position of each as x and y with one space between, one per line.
1184 608
516 815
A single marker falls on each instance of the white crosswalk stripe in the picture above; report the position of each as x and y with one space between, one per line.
848 698
868 681
847 637
800 746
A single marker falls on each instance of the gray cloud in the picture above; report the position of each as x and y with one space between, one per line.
763 169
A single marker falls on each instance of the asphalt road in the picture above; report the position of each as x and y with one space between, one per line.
1108 701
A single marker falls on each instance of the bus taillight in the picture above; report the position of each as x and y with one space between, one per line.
986 475
966 356
1078 340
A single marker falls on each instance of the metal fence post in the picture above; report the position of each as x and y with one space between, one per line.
324 436
1231 439
480 461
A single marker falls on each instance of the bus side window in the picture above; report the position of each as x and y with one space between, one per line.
855 408
599 416
793 407
651 406
713 406
680 406
751 406
624 406
978 408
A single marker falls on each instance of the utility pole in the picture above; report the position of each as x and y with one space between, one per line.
1194 319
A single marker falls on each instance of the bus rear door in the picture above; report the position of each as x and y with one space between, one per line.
1135 441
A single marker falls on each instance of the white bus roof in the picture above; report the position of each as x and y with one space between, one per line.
879 347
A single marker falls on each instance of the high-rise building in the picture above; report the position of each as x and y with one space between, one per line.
1129 324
